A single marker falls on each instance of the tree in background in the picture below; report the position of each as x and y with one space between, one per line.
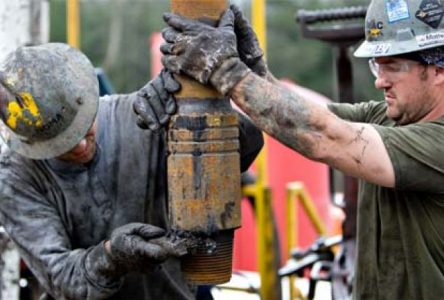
115 35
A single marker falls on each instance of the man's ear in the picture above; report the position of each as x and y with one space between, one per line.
439 76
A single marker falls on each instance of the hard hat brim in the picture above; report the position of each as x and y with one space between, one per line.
59 144
391 47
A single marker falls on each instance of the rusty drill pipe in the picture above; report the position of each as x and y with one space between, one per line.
204 167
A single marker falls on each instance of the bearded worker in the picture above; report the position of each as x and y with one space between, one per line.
394 147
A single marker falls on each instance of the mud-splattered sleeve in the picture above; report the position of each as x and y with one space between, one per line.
36 228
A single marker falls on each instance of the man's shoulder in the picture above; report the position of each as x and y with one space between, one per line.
368 112
14 165
10 158
115 99
116 104
16 177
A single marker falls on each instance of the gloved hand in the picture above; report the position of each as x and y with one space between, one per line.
207 54
132 247
247 43
155 102
136 246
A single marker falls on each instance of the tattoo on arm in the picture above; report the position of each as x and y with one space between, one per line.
279 112
359 139
311 129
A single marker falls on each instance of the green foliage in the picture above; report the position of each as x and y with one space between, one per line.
309 62
115 35
57 21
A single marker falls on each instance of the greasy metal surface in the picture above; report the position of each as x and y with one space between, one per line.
204 173
199 148
216 120
211 261
204 135
191 88
204 166
199 9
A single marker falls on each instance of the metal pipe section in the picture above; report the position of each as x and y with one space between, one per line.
204 189
322 25
326 15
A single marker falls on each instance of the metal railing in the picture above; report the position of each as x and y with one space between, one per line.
297 194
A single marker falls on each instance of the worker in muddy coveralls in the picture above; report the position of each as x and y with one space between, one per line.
82 188
393 146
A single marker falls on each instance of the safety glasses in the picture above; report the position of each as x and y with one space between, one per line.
391 68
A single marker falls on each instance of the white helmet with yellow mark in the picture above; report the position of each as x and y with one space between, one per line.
48 99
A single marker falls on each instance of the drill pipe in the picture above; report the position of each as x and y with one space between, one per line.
204 167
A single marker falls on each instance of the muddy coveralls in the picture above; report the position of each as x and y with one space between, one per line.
58 213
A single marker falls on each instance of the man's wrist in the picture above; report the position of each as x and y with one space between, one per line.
229 73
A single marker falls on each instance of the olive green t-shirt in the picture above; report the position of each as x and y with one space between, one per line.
400 240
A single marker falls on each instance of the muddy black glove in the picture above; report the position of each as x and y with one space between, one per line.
155 102
134 247
207 54
247 43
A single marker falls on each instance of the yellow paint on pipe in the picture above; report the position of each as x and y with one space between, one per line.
259 23
73 23
296 192
267 267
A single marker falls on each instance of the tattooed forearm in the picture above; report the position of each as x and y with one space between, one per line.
314 131
279 112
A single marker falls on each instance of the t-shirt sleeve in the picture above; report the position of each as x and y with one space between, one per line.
417 155
364 112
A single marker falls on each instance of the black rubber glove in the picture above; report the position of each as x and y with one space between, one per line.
247 43
134 247
207 54
155 102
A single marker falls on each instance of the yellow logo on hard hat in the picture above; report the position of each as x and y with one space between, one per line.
375 32
26 112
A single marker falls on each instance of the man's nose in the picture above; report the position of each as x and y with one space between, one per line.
381 82
80 147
